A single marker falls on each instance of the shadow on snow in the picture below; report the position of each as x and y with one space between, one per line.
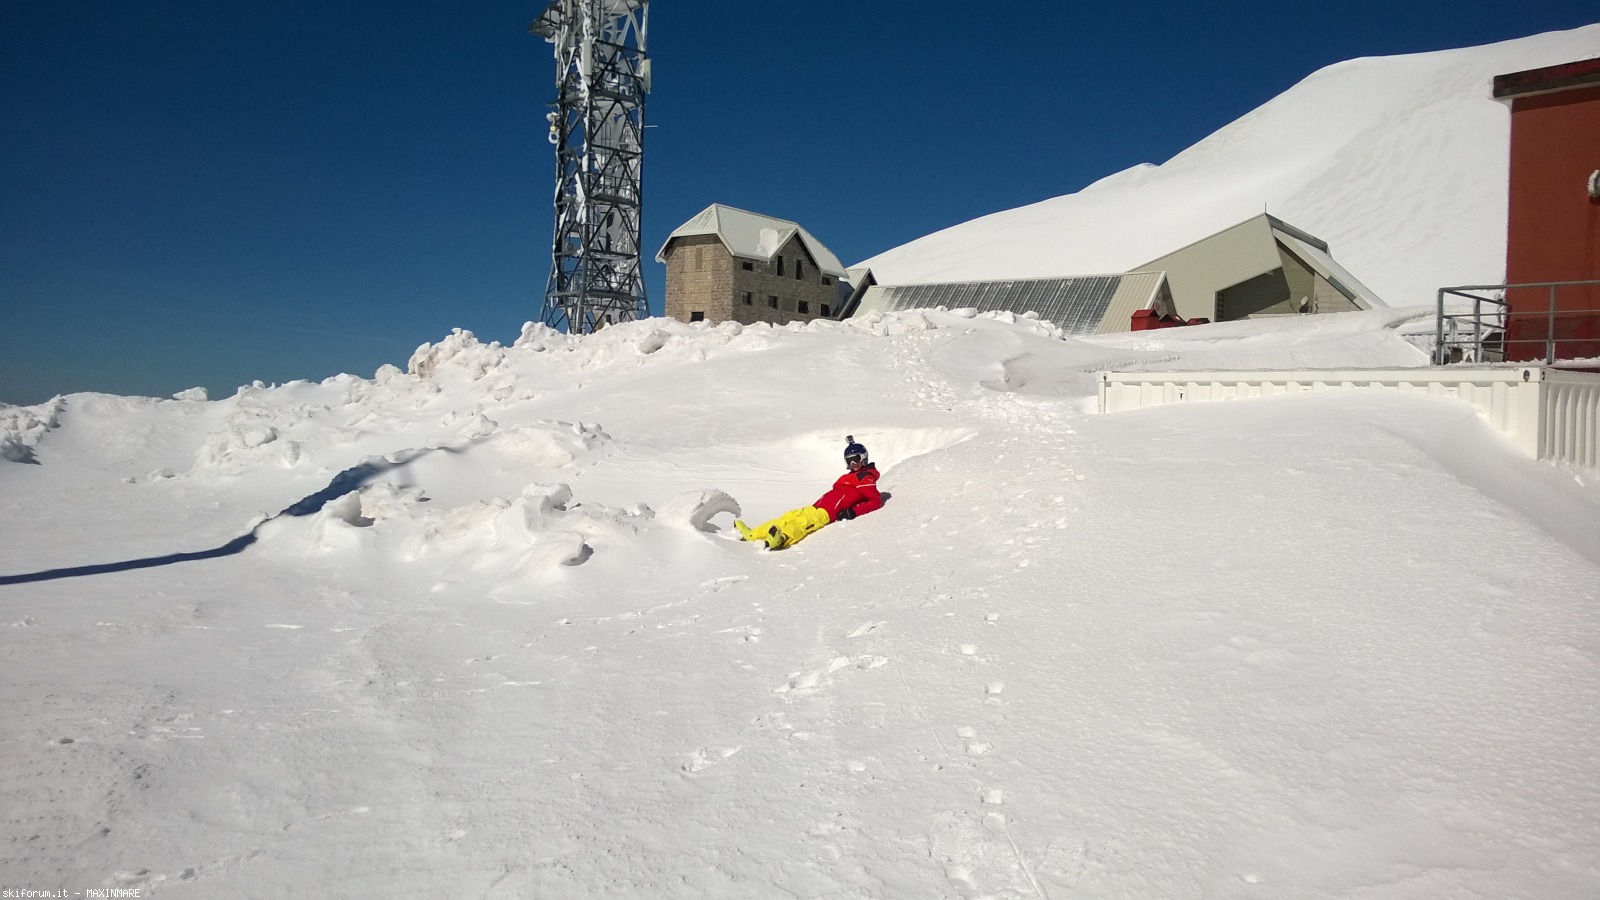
343 483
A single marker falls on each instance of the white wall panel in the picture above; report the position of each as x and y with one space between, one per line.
1550 413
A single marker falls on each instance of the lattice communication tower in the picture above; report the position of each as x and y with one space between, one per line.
597 127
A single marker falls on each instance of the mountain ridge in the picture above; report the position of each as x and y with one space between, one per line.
1407 184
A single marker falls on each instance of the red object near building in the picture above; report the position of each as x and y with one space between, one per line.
1149 319
1553 221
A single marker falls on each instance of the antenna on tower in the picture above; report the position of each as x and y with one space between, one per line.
597 127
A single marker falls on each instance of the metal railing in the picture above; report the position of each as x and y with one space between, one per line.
1489 333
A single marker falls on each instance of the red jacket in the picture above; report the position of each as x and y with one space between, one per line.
857 491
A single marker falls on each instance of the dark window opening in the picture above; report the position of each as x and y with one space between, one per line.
780 265
748 265
799 269
744 297
805 306
697 316
772 301
827 280
826 311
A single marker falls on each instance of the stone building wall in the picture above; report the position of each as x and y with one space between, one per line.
702 277
699 279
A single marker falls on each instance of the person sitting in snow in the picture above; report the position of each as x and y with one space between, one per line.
854 494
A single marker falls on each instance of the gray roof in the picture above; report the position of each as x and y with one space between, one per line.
1315 254
1088 304
1245 250
752 236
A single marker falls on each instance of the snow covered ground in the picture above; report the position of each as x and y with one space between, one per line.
498 642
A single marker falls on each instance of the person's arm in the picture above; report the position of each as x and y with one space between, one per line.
867 500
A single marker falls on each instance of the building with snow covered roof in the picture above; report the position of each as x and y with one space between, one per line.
728 264
1262 266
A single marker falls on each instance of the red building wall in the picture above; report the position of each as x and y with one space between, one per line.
1553 225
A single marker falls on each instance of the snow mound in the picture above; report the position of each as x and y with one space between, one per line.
549 445
461 352
695 509
528 539
339 525
21 427
250 438
537 337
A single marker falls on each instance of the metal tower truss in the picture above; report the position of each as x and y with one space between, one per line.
597 127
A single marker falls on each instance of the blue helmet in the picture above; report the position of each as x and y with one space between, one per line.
854 451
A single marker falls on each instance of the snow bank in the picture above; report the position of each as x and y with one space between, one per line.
696 509
21 427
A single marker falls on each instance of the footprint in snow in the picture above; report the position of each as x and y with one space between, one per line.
866 628
974 747
747 633
806 681
705 757
978 857
800 681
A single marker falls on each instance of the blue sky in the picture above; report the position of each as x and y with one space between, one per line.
203 193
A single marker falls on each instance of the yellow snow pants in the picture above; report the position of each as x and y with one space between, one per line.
789 528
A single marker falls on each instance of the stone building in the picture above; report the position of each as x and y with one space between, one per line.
727 264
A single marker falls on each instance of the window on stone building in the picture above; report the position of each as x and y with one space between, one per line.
826 311
779 262
805 306
748 266
744 297
772 301
697 316
799 269
827 280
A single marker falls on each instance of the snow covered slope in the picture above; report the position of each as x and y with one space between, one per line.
1399 163
479 629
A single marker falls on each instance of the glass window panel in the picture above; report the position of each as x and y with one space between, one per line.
1076 305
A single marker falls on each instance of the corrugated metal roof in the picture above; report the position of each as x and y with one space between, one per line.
1320 260
753 236
1089 304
